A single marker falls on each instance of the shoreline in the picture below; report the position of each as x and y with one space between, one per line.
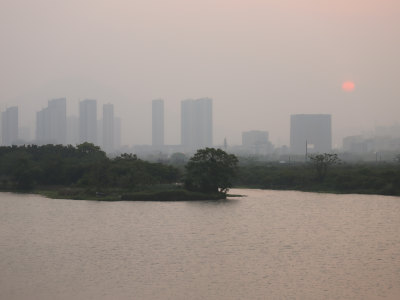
119 195
164 195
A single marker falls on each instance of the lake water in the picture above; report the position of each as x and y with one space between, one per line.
268 245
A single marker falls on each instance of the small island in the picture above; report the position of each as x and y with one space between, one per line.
85 172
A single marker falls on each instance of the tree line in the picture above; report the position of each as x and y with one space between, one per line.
84 165
208 171
322 173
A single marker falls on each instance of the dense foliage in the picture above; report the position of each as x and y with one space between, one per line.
365 178
322 162
211 170
85 165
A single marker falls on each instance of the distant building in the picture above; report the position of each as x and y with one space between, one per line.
88 121
196 124
256 142
58 120
108 128
157 122
41 126
355 144
254 137
311 131
9 126
362 145
51 123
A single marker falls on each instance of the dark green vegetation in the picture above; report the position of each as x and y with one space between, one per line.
323 175
84 167
211 170
85 172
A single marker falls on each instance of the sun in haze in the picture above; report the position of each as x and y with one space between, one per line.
348 86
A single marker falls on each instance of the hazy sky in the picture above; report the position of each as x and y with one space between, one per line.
260 61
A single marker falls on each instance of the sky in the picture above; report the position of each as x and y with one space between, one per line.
259 60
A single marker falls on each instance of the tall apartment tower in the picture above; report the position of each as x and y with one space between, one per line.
88 121
108 128
157 122
58 120
311 132
9 126
51 123
196 123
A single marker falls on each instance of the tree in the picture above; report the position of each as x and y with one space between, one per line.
178 158
211 170
321 163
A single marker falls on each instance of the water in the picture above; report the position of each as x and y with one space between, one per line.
269 245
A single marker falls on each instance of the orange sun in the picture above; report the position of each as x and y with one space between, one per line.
348 86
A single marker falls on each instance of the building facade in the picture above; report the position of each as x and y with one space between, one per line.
310 133
9 126
51 123
88 121
196 124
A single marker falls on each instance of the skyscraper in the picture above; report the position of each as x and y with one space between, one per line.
9 126
157 122
58 120
42 126
51 123
311 131
108 128
196 123
88 121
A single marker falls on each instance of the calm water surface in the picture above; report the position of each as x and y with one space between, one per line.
269 245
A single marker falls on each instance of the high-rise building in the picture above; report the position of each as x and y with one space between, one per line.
9 126
58 120
311 132
196 123
157 122
108 128
42 125
51 123
88 121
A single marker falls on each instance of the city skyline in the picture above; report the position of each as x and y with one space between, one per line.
66 128
261 61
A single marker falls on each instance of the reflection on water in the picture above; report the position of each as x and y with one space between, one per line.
269 245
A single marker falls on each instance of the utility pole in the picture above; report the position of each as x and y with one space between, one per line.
306 151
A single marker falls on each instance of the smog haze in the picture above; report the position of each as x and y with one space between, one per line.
260 61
